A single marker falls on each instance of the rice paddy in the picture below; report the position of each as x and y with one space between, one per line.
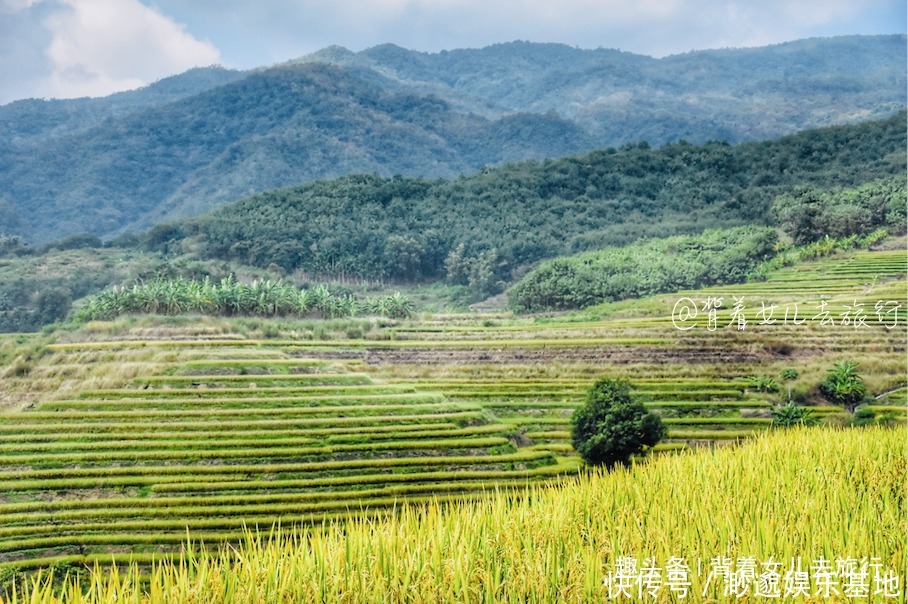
574 541
124 445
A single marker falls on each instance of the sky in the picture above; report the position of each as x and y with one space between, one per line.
74 48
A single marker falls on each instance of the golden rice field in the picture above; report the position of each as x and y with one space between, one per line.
824 494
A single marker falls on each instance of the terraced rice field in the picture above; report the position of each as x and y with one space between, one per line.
207 436
213 447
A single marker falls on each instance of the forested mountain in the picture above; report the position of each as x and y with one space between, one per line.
31 122
487 228
193 142
619 97
272 128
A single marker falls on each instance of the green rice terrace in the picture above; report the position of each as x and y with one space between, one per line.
126 438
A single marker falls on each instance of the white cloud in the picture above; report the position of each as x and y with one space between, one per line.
15 6
103 46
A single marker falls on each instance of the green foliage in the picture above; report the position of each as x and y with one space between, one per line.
474 230
790 414
395 306
810 214
13 245
480 232
51 305
9 577
863 416
843 386
822 248
38 288
645 268
75 242
185 145
763 383
229 298
609 428
788 374
272 128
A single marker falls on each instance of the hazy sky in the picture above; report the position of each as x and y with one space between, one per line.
71 48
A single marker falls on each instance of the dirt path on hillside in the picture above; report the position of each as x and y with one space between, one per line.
515 355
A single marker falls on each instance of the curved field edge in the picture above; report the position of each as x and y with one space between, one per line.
822 493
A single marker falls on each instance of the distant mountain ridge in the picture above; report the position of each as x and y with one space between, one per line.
34 120
833 80
192 142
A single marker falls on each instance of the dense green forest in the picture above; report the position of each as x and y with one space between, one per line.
30 122
810 213
191 143
819 222
486 229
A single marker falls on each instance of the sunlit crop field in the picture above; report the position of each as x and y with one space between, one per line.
813 495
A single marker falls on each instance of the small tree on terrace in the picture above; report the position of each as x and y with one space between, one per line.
609 428
843 386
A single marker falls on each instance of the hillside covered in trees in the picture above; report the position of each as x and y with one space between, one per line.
486 229
819 222
484 232
193 142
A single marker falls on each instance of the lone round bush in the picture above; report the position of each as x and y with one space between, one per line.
610 427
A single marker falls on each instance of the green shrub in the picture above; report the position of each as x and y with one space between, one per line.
763 383
789 374
863 416
810 214
645 268
228 297
790 414
610 428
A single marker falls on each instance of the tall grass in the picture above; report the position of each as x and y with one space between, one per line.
830 493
